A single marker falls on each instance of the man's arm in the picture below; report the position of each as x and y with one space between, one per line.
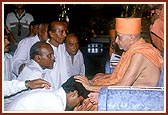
132 71
15 86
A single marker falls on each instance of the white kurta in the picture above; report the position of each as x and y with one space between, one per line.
8 60
12 87
22 52
59 74
40 100
78 66
32 70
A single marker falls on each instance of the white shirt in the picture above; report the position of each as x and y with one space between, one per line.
22 53
12 20
78 66
32 70
40 100
8 61
12 87
12 23
59 74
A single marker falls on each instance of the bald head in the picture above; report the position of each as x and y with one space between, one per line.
71 43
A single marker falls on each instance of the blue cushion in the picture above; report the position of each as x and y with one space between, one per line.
130 99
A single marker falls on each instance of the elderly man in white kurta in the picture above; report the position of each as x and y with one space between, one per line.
21 55
59 74
74 57
42 58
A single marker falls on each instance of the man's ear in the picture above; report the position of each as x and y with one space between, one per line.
132 39
37 58
51 34
75 93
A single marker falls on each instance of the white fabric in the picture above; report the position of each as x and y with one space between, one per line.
8 61
12 21
78 66
12 87
59 74
22 52
40 99
32 70
114 60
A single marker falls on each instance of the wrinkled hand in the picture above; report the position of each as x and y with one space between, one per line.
38 83
84 81
86 106
93 97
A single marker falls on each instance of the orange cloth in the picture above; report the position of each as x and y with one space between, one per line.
128 25
140 47
157 31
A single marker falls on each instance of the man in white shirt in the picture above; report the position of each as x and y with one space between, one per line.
15 86
68 96
42 56
75 61
21 55
59 74
18 23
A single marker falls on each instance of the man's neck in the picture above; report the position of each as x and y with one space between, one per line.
19 11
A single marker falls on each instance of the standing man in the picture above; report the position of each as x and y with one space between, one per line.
75 61
57 32
18 23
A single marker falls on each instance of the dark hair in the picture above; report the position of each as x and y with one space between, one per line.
36 49
33 23
71 85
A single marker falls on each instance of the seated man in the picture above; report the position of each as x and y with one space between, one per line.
139 65
68 96
74 57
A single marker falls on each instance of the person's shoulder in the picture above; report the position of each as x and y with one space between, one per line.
28 14
10 14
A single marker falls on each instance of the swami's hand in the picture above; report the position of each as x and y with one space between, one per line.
84 81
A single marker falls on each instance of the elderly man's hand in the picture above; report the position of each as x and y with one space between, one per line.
38 83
